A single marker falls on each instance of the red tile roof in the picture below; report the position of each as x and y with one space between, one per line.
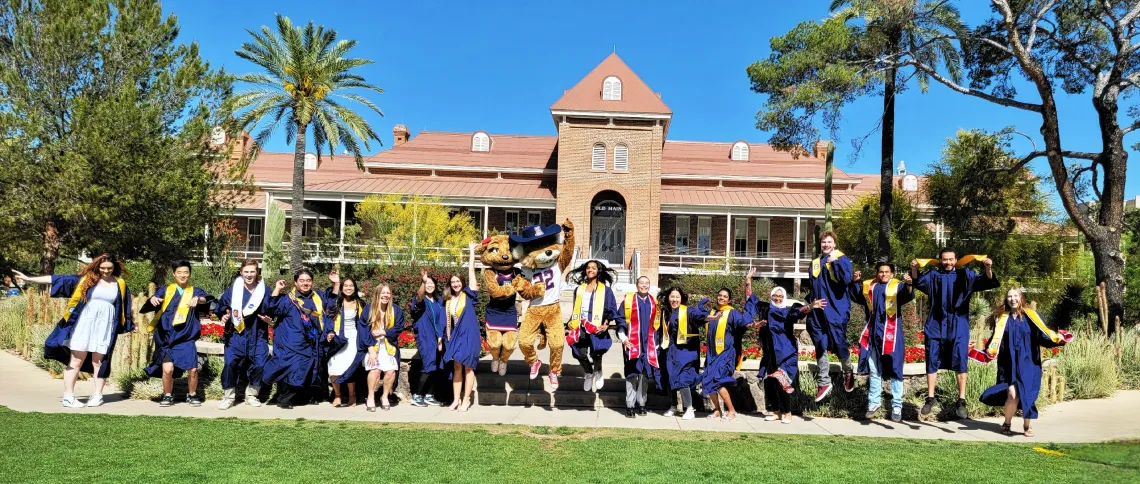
278 168
454 149
636 96
440 186
702 158
743 197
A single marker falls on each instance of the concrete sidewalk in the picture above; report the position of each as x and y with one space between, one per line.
25 388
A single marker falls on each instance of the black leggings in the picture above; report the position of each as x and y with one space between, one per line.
775 398
426 382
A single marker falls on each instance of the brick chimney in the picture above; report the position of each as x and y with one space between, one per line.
400 135
820 151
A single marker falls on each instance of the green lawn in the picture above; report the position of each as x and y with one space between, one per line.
99 448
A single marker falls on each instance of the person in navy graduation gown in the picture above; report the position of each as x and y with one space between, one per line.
828 279
721 362
242 309
176 331
462 343
683 352
98 310
641 339
947 328
882 346
430 327
343 342
296 337
595 310
779 365
1019 360
381 335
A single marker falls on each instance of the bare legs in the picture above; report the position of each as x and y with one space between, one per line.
460 376
376 378
373 382
1010 409
336 390
168 379
71 373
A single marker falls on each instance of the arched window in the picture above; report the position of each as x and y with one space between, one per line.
611 89
598 158
740 151
621 158
480 142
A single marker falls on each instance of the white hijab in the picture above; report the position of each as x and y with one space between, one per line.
772 299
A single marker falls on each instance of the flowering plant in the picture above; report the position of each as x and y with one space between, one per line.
213 332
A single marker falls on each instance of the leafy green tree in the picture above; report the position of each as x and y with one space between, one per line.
415 228
305 80
857 227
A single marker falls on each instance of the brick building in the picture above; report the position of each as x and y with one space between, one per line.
637 198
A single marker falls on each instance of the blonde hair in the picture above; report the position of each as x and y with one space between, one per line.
374 319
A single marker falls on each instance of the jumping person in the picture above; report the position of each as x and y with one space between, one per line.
176 331
721 362
463 345
780 363
385 323
343 330
682 347
589 327
242 310
1018 333
98 310
641 336
882 346
829 277
430 326
947 329
293 365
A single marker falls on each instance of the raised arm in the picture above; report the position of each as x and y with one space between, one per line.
20 276
906 293
567 255
472 282
843 270
855 289
987 281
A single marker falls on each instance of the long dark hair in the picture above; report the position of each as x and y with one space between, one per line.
340 297
663 298
447 292
605 274
434 294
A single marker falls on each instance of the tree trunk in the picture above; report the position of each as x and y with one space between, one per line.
297 219
51 249
887 167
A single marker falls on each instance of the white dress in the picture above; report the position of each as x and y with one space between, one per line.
384 361
96 326
340 362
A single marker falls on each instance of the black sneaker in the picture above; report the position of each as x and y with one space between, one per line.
928 406
641 411
960 409
630 413
167 400
193 400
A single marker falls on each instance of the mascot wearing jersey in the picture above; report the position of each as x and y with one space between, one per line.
547 253
503 281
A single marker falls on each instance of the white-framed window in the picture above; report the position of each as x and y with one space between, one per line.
704 235
807 237
512 222
611 89
534 218
598 157
481 142
254 233
476 217
740 237
310 161
763 236
681 237
621 158
740 151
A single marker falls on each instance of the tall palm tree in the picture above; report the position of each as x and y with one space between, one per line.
895 32
306 78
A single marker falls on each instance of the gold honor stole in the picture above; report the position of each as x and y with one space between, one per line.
183 305
718 339
633 317
999 332
815 263
598 305
891 325
455 307
682 326
388 323
306 313
76 296
961 262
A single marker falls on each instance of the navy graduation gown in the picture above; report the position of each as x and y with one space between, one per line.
251 343
828 326
177 344
721 367
778 340
947 327
682 358
601 342
465 344
339 340
430 326
890 365
1019 364
641 365
55 346
295 341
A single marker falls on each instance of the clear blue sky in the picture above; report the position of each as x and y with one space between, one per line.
498 66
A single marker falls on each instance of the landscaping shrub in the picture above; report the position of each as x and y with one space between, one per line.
1127 343
1089 365
946 390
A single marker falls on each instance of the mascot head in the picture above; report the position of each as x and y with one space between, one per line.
540 245
495 252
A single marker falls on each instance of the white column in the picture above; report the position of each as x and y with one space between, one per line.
206 243
342 207
486 218
796 243
727 241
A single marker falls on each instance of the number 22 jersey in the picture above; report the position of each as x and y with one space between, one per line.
551 278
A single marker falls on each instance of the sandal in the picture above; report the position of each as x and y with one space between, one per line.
336 403
771 417
1028 432
1005 429
713 416
466 406
731 417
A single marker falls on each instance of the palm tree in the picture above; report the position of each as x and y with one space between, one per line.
305 79
895 32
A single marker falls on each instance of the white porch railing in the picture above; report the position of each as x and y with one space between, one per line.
770 263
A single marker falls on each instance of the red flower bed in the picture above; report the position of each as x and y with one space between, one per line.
406 340
212 331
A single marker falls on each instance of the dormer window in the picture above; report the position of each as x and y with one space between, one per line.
611 89
481 142
740 151
310 161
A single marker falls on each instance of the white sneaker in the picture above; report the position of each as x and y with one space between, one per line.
670 412
226 404
689 414
494 366
252 401
599 378
69 401
95 400
588 382
502 368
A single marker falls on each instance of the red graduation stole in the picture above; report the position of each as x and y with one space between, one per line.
633 317
891 327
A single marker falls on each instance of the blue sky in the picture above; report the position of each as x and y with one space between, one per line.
498 66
